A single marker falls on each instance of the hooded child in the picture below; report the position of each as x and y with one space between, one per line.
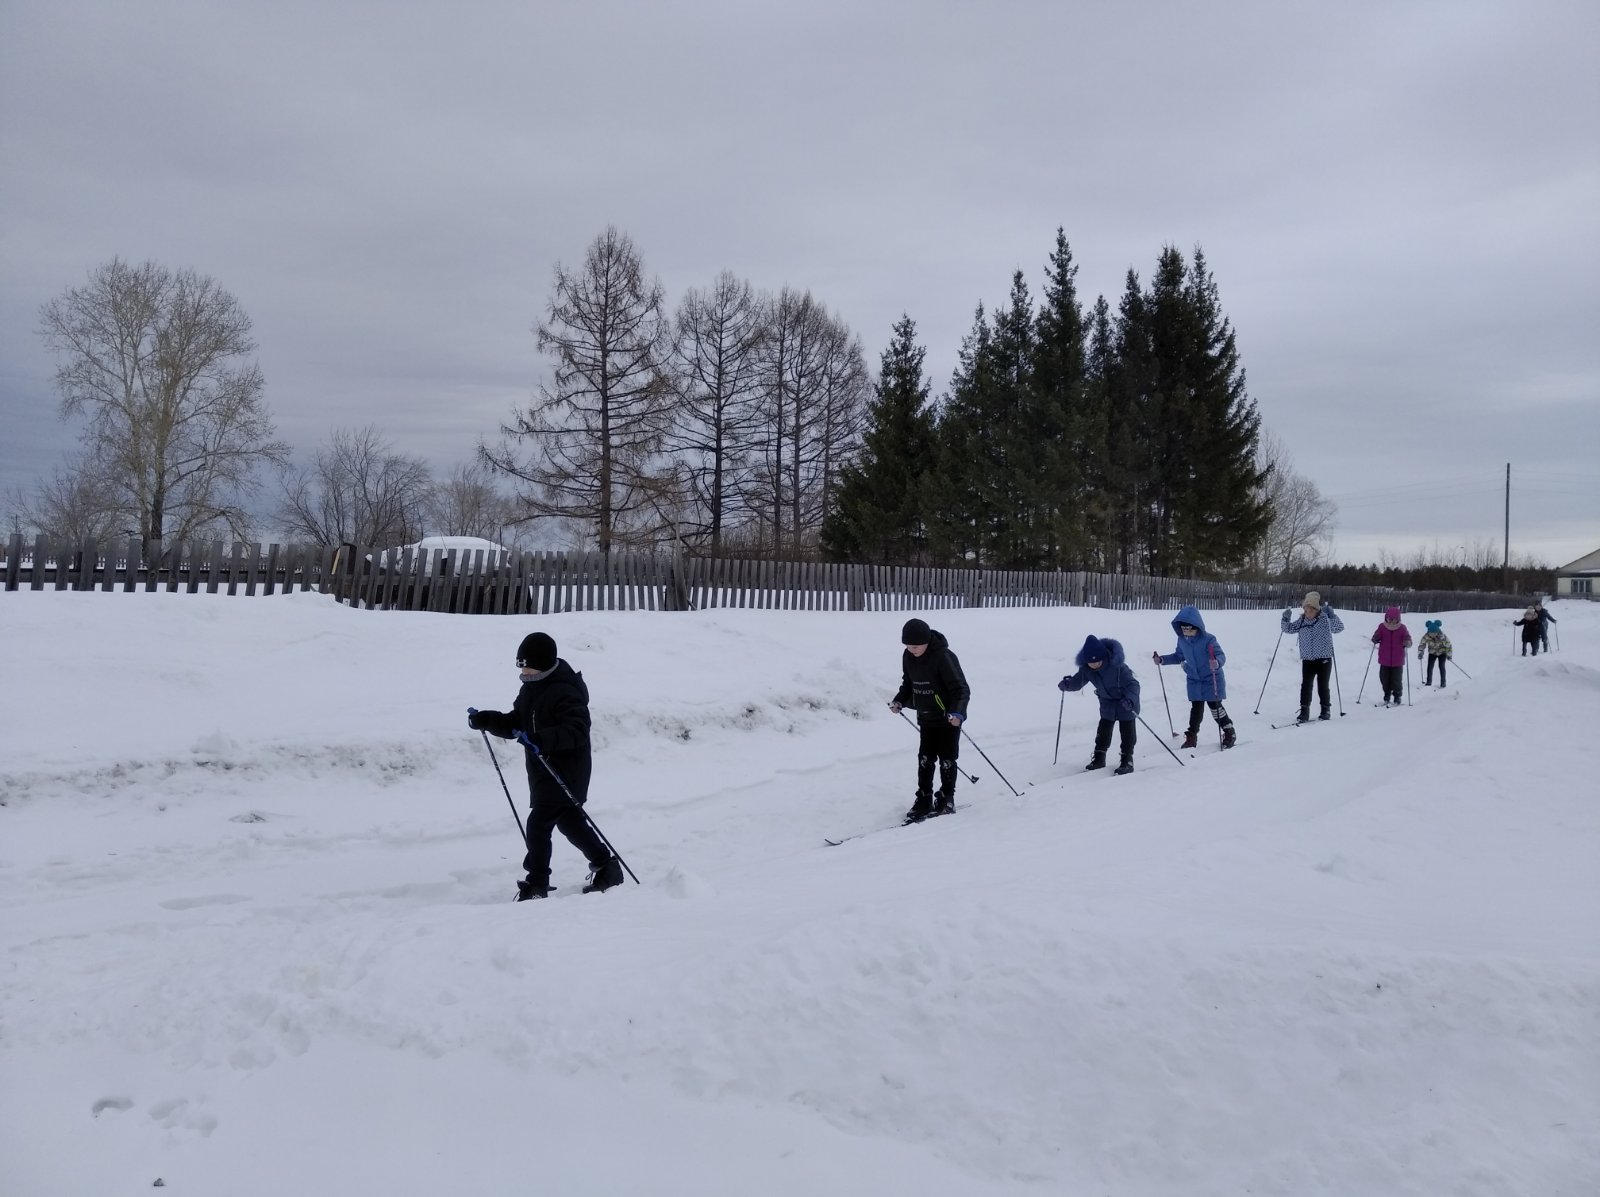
1103 665
1393 640
1202 659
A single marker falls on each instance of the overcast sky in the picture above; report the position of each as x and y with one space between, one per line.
1400 202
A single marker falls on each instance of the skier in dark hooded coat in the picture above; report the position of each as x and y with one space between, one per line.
1103 665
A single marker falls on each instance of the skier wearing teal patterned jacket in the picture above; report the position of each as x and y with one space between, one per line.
1202 659
1437 647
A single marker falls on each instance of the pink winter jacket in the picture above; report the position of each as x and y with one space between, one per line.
1392 644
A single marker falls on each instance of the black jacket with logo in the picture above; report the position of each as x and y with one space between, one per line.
933 679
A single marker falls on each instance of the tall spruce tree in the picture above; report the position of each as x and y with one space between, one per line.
1130 434
960 504
1068 439
1023 442
1098 478
1203 511
1226 516
878 515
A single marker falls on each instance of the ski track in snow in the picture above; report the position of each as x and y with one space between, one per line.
1355 961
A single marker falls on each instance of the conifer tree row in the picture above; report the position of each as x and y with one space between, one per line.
1123 442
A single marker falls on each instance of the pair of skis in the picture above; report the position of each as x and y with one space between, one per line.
904 823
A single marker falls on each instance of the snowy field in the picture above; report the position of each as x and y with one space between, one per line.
255 877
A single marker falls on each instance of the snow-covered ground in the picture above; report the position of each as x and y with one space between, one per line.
254 896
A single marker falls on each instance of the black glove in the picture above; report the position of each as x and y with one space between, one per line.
1125 710
479 720
1062 684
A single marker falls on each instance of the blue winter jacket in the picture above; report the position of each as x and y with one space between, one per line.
1316 635
1202 659
1114 683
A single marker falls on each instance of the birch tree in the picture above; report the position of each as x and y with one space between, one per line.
157 362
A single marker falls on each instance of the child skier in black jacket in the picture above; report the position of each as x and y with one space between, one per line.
932 684
552 712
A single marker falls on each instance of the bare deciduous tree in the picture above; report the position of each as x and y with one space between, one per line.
76 504
155 360
358 490
468 504
1302 521
596 432
813 387
846 389
718 335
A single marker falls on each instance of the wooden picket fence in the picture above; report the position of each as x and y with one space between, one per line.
544 583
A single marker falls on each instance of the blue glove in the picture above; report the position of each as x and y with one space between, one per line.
1062 685
522 738
1126 710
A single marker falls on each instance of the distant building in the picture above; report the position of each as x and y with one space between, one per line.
1577 579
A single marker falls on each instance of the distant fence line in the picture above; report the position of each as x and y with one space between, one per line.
543 583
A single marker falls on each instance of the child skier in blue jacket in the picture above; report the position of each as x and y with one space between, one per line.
1102 664
1202 659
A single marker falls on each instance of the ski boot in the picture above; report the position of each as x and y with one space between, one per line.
1191 739
921 807
603 876
1229 738
1097 761
1126 767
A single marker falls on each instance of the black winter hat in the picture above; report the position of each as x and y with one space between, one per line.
537 651
915 632
1094 649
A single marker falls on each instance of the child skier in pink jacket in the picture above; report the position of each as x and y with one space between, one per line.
1392 640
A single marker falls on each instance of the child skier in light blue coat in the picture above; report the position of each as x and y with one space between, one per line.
1202 659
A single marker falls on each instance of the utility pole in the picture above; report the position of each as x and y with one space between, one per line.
1505 568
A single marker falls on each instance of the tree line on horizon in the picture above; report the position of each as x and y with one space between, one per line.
741 423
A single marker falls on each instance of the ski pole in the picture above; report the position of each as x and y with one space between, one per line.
502 776
522 738
1276 646
1164 701
1014 791
1454 662
1334 656
1163 743
1409 703
1059 713
1364 673
972 777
